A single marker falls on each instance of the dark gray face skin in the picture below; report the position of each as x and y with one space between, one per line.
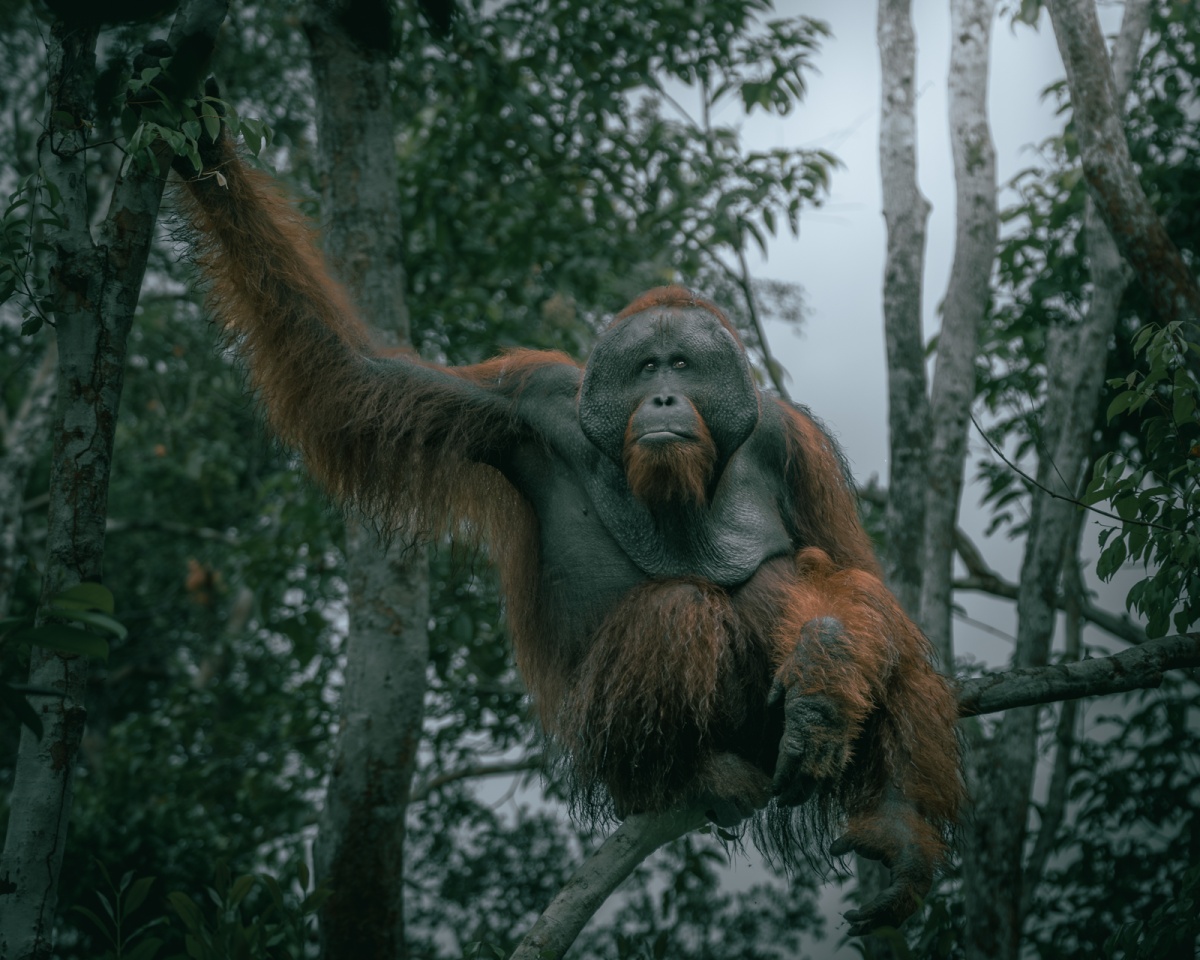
649 363
597 539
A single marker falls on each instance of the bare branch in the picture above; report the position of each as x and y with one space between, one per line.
1118 625
475 771
983 579
631 843
1132 669
774 369
1037 485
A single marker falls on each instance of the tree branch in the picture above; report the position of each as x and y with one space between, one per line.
983 579
574 905
1034 484
474 770
1134 669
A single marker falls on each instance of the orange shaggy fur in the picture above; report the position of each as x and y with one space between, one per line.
662 473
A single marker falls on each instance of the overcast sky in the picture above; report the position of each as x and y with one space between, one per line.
837 363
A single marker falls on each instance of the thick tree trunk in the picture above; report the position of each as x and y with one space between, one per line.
963 309
360 849
95 287
996 880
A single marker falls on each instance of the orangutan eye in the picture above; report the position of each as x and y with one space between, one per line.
650 366
679 364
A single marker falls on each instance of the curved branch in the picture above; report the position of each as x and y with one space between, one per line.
981 578
1034 484
631 843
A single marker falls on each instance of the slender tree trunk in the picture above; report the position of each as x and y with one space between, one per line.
906 211
94 290
997 881
360 850
963 309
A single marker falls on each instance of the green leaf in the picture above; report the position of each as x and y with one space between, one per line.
13 702
64 639
1126 507
241 886
1143 336
85 596
212 122
144 950
1121 402
31 325
100 621
1111 559
129 122
1139 536
93 918
1183 398
136 895
188 912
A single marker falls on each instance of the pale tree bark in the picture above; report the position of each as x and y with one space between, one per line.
996 881
94 285
905 211
360 848
963 309
23 440
640 835
1112 180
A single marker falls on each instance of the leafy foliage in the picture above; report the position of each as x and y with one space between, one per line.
550 171
1042 262
1156 490
252 917
87 609
1122 883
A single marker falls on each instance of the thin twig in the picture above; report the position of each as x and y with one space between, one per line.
475 771
1059 496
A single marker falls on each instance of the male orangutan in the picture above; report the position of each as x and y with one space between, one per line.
695 606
